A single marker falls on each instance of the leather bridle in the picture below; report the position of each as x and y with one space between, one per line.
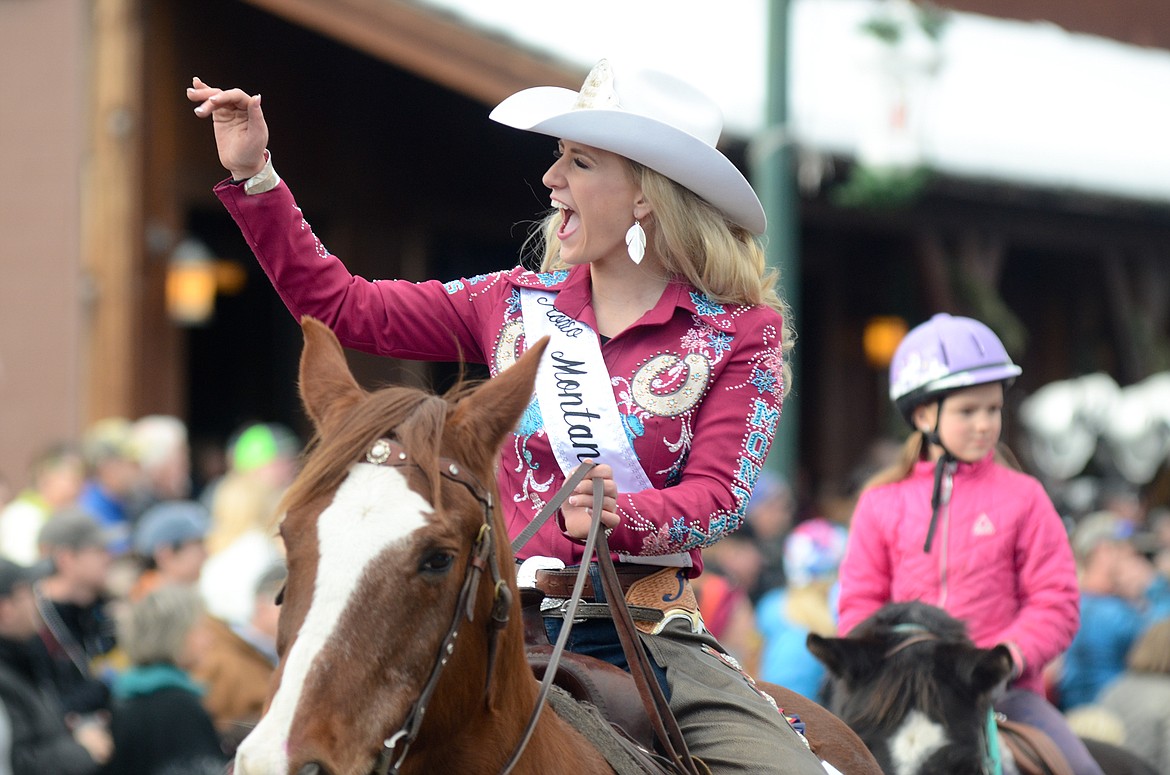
388 452
920 635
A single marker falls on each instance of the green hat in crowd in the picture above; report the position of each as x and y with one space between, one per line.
260 444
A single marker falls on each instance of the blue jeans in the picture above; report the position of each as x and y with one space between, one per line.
723 719
598 638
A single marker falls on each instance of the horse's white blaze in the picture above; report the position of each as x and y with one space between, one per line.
914 742
373 509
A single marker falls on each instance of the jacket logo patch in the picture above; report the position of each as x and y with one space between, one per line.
983 526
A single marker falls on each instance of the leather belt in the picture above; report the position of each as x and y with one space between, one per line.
559 583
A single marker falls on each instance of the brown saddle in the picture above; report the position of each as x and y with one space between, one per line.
608 688
1033 750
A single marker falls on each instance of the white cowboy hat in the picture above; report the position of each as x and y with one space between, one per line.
647 116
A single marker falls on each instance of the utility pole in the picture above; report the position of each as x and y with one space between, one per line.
771 163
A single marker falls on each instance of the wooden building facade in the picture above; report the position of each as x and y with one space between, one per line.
378 110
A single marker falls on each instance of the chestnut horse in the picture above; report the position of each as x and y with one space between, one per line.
393 656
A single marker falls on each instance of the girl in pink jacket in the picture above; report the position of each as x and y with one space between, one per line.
957 525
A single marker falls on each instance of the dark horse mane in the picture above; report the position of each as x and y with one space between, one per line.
914 658
910 685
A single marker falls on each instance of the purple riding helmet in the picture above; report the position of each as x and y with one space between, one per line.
944 354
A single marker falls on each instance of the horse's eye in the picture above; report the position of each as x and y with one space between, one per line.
436 562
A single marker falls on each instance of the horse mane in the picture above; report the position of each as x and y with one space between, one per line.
907 681
906 686
413 416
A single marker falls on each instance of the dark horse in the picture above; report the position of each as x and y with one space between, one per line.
390 529
916 689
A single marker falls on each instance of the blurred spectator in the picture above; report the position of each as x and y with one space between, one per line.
78 634
1158 522
169 541
112 479
770 513
260 629
235 675
55 481
1095 722
41 742
238 664
1140 697
1121 595
164 455
1122 499
268 452
727 610
736 557
241 545
785 616
158 722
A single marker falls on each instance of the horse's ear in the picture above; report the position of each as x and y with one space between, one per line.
486 416
984 669
326 382
846 658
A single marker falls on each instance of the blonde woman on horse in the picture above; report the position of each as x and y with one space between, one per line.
666 364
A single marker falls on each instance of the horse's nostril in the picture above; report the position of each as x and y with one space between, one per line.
312 768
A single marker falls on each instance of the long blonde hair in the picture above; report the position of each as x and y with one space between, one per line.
915 449
694 241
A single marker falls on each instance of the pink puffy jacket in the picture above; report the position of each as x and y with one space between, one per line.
1000 560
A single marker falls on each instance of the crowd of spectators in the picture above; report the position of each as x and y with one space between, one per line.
138 610
137 600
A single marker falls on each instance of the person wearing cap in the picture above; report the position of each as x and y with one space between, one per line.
1122 594
78 631
667 365
956 524
169 542
806 603
41 742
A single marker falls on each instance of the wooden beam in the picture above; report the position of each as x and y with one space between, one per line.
428 44
111 219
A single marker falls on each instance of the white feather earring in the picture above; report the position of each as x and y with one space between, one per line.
636 242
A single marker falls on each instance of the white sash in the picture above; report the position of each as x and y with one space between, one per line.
577 404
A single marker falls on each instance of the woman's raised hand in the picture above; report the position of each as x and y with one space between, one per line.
241 134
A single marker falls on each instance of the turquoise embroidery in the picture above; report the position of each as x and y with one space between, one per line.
719 341
531 421
704 306
513 302
548 279
764 380
453 287
633 426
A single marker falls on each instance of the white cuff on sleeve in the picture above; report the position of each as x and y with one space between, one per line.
264 180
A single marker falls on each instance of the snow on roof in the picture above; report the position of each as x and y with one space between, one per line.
983 98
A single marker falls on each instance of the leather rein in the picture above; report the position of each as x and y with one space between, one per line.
389 452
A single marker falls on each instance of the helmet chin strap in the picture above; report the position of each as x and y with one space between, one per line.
932 437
